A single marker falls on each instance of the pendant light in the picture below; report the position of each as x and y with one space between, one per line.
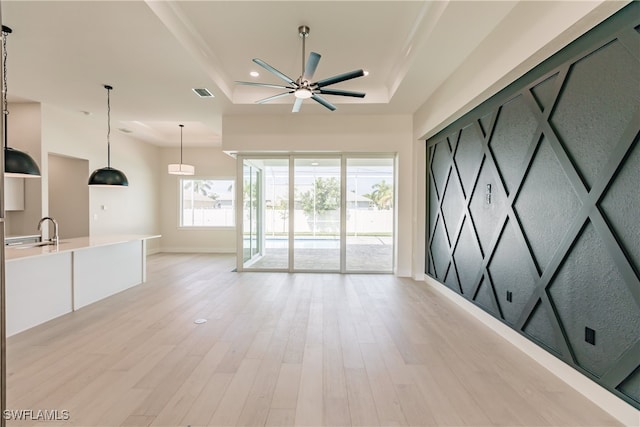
181 168
108 177
16 163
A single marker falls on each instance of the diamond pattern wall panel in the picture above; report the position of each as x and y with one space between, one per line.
511 271
622 211
595 297
452 207
441 165
598 101
484 212
631 386
534 201
544 92
546 205
468 260
468 156
515 129
440 250
540 328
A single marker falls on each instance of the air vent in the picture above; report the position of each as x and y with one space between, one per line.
203 92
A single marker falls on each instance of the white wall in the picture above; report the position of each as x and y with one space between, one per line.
24 133
535 30
209 163
129 210
69 195
334 133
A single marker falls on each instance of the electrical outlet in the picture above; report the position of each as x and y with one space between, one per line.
509 296
590 335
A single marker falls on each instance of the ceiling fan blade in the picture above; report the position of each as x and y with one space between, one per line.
271 98
321 100
274 71
339 78
297 105
342 93
264 85
312 64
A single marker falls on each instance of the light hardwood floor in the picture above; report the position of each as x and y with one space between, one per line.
281 349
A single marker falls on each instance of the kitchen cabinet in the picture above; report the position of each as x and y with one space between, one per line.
45 282
13 194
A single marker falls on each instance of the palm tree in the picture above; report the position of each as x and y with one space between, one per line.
382 195
198 186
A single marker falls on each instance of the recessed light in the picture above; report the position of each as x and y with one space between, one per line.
314 163
366 73
254 74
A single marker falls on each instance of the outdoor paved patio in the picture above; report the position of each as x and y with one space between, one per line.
363 254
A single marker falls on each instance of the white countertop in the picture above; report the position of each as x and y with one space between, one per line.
70 245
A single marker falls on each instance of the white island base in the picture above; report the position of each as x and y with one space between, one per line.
43 283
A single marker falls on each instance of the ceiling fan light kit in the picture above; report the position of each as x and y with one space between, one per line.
302 88
303 93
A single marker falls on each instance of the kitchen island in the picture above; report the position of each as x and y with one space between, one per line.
44 282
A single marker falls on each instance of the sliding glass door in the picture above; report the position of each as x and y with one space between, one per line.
266 203
252 236
318 213
317 189
370 214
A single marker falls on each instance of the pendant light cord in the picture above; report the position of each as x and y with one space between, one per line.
181 126
108 88
5 108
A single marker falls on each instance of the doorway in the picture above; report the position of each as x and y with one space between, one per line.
69 194
317 213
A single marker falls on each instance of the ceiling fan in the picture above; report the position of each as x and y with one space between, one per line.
303 88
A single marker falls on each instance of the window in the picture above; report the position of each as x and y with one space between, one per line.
207 203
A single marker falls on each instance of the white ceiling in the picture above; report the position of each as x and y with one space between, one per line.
154 52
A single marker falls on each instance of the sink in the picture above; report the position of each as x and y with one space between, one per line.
35 245
22 240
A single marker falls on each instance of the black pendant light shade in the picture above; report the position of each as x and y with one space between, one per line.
16 163
108 177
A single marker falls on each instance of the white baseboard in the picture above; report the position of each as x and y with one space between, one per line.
618 408
151 251
192 250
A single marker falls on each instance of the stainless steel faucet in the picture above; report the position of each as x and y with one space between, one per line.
55 228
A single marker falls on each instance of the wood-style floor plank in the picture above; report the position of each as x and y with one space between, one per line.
280 349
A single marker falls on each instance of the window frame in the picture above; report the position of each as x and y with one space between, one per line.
180 208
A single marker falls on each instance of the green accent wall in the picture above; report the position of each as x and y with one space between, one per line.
534 205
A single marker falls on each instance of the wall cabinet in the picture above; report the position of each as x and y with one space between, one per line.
13 194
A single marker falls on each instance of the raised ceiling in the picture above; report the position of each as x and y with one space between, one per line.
154 52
